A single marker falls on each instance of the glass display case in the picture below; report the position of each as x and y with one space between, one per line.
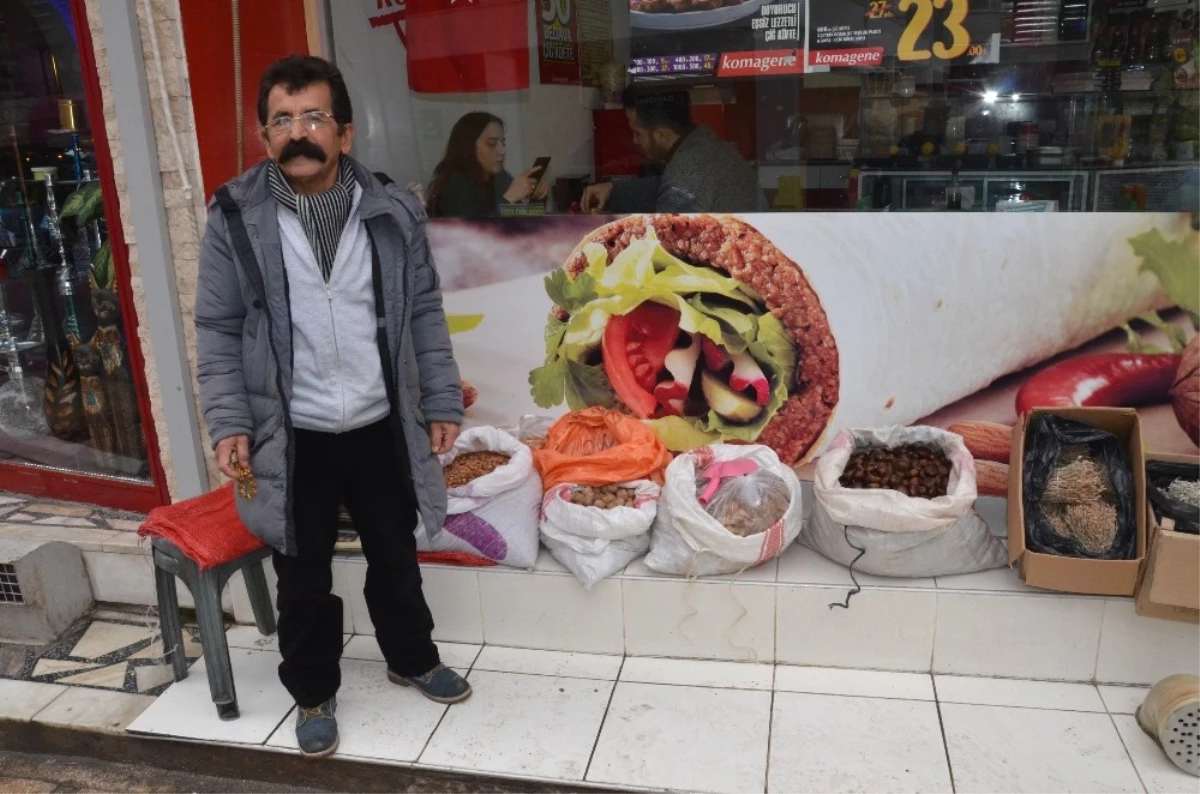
73 402
978 190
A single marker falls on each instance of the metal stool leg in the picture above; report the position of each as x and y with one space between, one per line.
168 618
260 597
216 650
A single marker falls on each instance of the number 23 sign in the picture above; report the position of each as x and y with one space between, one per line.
922 17
911 31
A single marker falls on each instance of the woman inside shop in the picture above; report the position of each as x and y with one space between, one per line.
470 181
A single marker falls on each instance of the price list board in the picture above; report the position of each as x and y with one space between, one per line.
662 66
752 38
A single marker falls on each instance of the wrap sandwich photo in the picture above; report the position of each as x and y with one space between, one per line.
782 329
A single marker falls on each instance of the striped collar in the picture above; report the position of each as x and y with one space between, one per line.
323 216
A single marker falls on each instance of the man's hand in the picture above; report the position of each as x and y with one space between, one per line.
595 197
442 436
235 449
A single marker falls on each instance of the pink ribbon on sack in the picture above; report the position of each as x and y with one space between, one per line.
718 472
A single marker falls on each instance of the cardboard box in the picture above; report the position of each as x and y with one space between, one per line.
1170 585
1075 574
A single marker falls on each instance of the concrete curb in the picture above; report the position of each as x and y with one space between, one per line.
254 763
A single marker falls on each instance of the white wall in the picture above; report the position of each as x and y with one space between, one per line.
405 134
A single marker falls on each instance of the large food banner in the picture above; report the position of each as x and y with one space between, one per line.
783 329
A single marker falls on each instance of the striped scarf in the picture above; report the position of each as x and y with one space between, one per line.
323 216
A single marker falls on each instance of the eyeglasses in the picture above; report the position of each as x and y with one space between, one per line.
312 121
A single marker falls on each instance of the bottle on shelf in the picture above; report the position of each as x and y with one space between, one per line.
954 192
1117 41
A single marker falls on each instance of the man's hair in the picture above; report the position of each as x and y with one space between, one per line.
297 72
670 109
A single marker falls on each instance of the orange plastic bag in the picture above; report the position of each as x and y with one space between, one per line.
596 446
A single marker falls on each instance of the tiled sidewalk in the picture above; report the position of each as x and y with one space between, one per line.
117 650
700 726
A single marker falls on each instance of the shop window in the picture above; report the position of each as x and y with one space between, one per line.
901 105
68 386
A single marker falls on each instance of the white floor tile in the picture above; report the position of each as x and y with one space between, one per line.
94 710
523 725
110 677
547 564
1034 637
452 595
150 676
52 666
882 629
186 709
1053 695
128 578
191 649
574 665
761 574
801 565
692 672
1158 774
78 511
1002 579
454 655
706 618
553 613
247 637
855 683
854 744
993 748
686 738
1138 650
64 521
103 638
1123 699
376 718
21 700
348 580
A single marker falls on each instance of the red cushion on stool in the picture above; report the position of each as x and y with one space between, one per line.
207 528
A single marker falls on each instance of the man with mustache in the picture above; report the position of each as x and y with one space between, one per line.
326 374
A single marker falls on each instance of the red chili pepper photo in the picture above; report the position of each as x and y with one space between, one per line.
1125 380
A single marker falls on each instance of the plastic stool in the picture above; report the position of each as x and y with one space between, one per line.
206 587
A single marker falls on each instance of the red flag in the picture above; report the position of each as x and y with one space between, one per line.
458 46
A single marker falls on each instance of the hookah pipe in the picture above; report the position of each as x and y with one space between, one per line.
66 279
39 259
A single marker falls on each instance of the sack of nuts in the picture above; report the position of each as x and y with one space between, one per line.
494 496
689 537
596 531
899 501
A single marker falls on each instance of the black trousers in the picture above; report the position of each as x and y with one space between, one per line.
362 470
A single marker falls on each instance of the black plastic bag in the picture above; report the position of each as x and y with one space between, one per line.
1159 475
1048 435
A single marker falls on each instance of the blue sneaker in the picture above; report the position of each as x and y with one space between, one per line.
316 729
441 684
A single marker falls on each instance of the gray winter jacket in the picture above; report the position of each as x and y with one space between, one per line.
706 174
244 345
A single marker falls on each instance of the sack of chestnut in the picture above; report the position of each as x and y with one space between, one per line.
899 501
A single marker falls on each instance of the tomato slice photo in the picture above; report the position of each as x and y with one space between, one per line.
635 345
